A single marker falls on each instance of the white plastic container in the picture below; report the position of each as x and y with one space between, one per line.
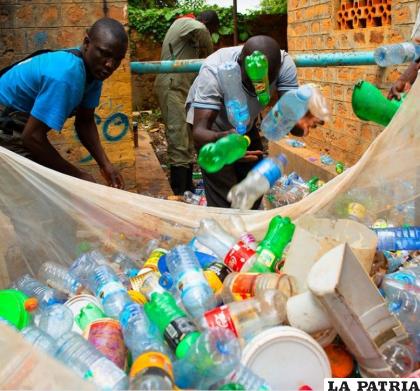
356 309
287 358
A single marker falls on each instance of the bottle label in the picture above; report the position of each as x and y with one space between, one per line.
108 289
105 374
220 270
238 255
152 360
356 210
106 335
177 330
220 317
266 257
259 86
146 283
269 170
243 285
152 261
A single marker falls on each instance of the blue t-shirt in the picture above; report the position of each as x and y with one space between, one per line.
50 87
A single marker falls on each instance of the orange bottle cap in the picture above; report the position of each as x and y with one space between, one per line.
31 304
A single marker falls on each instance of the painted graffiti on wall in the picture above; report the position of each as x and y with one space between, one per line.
112 123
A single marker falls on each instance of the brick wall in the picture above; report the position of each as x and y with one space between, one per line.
314 28
29 26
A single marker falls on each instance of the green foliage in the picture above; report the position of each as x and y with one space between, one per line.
155 22
274 6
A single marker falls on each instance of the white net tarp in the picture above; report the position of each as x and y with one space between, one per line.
48 216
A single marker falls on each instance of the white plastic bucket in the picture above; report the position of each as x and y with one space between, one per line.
288 359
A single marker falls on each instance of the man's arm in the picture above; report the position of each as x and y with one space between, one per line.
405 81
35 139
88 134
202 133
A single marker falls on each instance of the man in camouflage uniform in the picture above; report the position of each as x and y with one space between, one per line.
187 38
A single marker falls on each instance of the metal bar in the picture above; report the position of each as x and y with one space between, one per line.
301 60
334 59
235 22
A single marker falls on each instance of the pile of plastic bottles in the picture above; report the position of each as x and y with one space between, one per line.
180 317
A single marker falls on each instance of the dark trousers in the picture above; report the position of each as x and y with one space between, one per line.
218 185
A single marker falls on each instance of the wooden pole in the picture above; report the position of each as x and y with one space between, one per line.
235 22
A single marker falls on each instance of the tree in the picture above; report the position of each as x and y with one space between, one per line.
274 6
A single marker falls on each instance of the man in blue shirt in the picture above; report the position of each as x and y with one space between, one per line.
48 88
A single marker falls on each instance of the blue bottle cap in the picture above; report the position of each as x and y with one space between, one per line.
241 129
166 281
163 268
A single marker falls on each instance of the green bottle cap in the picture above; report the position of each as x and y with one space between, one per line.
339 167
232 386
87 315
13 308
83 247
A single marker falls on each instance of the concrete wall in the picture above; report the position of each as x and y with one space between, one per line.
318 26
29 26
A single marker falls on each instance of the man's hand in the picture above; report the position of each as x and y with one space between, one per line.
250 156
305 123
112 176
401 85
86 176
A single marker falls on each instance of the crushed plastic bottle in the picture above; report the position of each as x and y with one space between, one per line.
78 354
196 294
59 278
213 156
56 320
395 54
230 80
398 238
33 288
258 181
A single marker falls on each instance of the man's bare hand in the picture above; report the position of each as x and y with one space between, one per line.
398 87
305 123
251 156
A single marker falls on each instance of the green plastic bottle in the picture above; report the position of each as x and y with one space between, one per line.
314 184
256 67
279 234
179 332
369 104
213 156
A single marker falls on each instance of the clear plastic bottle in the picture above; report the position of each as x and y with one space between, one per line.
240 231
56 320
240 286
284 115
33 288
140 335
212 357
395 54
82 268
40 339
126 265
247 379
172 322
152 371
213 236
399 358
110 290
58 277
78 354
248 317
147 283
230 79
196 294
398 238
406 275
258 181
